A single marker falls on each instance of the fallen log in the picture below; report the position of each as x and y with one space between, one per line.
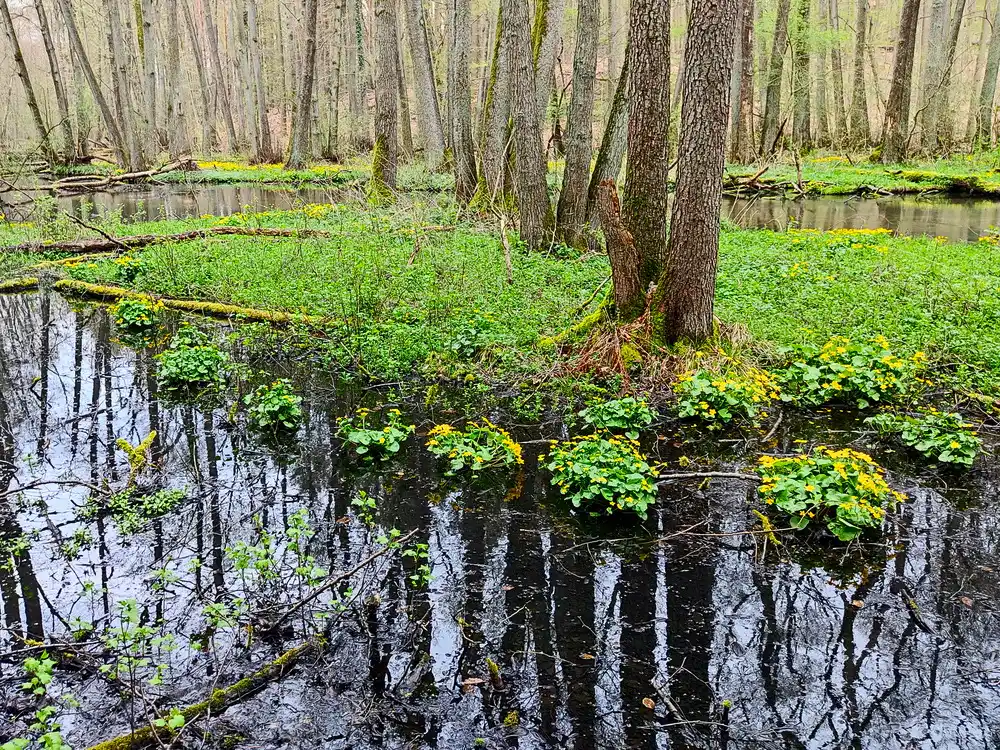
217 702
74 288
99 182
13 286
118 244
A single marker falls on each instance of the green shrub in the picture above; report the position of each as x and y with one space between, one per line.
132 510
274 407
844 489
477 447
718 399
193 367
187 336
137 314
626 415
474 335
376 432
944 437
603 474
851 371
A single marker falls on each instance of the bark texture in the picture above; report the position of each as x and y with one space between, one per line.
298 146
628 292
984 129
645 198
897 110
802 113
29 90
860 127
572 213
685 297
612 151
386 148
741 148
460 101
62 101
775 69
424 86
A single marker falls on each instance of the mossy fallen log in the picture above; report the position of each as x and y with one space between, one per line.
13 286
74 288
120 244
217 702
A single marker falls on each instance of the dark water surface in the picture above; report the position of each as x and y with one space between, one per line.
899 648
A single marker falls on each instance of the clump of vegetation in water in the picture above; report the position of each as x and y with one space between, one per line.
274 406
940 436
603 474
718 399
624 415
479 446
373 433
844 489
191 364
474 335
137 314
132 510
852 371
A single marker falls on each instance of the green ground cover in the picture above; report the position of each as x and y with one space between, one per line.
410 285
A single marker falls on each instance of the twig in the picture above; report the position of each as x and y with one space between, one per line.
774 429
708 475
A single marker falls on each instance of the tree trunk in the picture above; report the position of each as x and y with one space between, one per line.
424 86
146 36
386 148
837 69
986 94
80 55
62 101
534 210
895 132
932 75
496 113
298 146
741 148
822 97
264 152
645 200
612 152
221 86
29 91
801 115
775 69
685 297
208 116
460 101
121 85
946 123
628 292
545 35
972 123
405 124
861 132
572 213
178 143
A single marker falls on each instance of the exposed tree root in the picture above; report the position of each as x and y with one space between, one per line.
73 288
219 701
118 244
13 286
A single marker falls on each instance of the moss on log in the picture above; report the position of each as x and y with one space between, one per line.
13 286
74 288
217 702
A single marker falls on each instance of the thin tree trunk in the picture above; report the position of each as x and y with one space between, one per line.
405 123
121 84
801 115
146 35
80 55
221 86
265 151
496 113
932 75
208 115
645 198
178 143
629 294
822 98
386 149
545 35
861 133
62 101
29 91
460 101
298 147
612 151
534 209
837 69
741 148
572 212
685 297
984 129
775 69
946 123
972 121
425 88
895 132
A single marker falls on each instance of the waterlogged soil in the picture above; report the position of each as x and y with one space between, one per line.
683 632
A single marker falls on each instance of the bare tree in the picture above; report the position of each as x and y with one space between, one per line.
775 68
29 90
801 112
386 151
837 72
860 128
895 132
496 113
741 148
264 151
987 93
572 211
684 301
122 89
62 101
611 154
298 145
460 102
424 86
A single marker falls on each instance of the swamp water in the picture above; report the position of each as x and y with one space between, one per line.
604 637
958 219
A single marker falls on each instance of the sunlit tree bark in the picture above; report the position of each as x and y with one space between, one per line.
895 133
386 148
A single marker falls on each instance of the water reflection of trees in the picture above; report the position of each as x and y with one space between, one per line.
583 629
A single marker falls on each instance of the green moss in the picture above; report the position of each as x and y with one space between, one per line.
23 284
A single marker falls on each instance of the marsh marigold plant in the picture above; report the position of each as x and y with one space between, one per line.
481 445
717 399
